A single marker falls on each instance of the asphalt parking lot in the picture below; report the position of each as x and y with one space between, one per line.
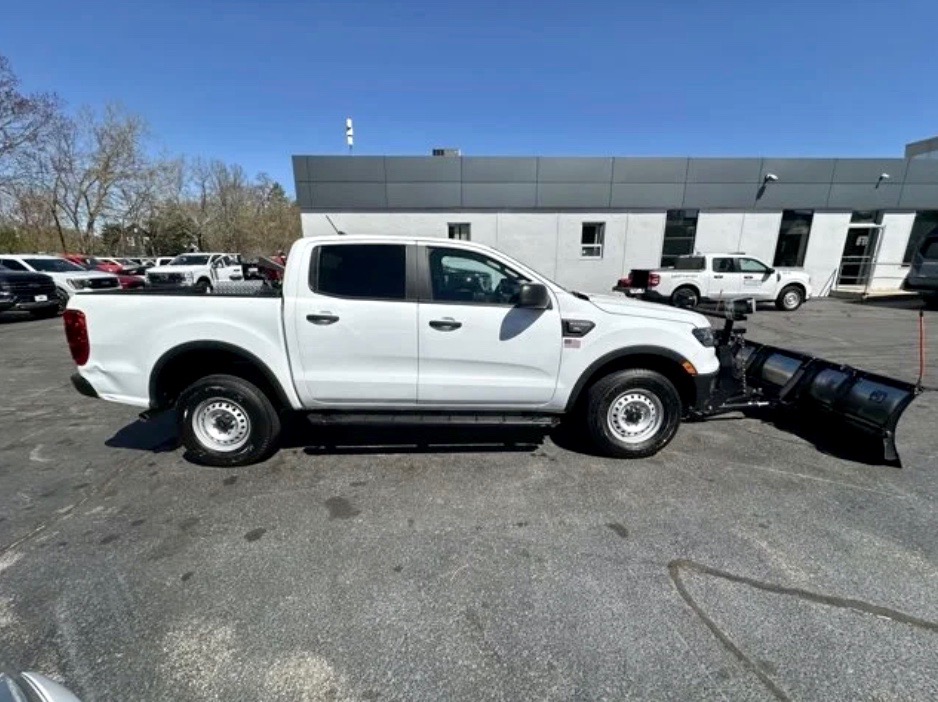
740 563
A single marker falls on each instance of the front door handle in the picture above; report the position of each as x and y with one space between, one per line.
718 276
322 318
445 324
747 277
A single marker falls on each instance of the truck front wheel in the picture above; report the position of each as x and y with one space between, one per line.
227 421
632 413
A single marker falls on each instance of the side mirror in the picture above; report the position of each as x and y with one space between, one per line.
534 296
771 271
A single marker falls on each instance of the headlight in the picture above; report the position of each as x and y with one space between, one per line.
189 276
78 283
704 335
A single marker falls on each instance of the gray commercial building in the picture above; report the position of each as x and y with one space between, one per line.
852 223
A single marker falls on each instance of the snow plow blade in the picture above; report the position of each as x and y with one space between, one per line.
830 398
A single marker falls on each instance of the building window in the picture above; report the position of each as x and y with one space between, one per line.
925 223
460 230
793 237
591 239
680 231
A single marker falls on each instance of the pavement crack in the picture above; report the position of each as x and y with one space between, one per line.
678 565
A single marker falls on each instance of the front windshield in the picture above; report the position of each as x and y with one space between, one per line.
189 260
53 265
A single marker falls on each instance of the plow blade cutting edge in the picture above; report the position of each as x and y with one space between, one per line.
829 397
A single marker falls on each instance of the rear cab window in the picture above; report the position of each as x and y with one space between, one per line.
689 263
360 271
929 249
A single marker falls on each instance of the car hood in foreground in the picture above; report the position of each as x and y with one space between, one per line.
639 308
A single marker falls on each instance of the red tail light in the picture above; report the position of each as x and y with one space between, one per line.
625 282
76 333
653 279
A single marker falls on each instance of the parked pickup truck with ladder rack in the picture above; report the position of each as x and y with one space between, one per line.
413 331
718 277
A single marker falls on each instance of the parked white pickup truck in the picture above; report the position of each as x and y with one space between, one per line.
202 271
378 329
718 277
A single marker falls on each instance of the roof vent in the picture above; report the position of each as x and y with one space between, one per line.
447 152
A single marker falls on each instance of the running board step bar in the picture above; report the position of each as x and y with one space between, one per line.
465 419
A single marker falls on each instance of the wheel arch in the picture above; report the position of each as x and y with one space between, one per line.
182 365
655 358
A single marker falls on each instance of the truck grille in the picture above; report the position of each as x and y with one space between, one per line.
102 283
166 278
26 291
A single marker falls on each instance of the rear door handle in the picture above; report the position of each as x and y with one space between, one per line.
718 276
445 324
322 318
747 277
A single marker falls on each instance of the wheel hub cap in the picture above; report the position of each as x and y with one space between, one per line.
221 424
791 299
635 416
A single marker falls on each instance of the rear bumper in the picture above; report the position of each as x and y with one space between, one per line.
83 386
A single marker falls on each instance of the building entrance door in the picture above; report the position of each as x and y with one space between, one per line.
856 263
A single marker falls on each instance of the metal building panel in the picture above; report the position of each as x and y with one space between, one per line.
574 195
481 169
574 170
522 196
424 195
336 169
418 169
724 170
664 196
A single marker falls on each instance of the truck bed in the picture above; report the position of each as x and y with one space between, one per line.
130 331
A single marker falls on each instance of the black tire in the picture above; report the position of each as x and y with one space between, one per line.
790 298
62 297
262 424
605 393
46 313
930 301
203 287
686 297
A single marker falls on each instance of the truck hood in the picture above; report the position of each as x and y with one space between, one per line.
651 310
84 275
175 269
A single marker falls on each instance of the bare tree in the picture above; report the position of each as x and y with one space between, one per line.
96 163
24 119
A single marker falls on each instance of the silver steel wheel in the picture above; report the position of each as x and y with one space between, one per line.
791 299
221 425
635 416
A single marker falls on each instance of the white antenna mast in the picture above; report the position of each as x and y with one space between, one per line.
349 134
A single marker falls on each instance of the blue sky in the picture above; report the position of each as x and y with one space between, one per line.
256 81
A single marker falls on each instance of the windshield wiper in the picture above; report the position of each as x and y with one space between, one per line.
579 295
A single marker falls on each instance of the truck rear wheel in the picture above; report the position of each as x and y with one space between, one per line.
227 421
632 413
686 297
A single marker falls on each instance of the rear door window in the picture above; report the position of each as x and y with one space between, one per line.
362 271
724 265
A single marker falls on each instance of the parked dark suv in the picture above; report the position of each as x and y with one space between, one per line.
923 275
28 292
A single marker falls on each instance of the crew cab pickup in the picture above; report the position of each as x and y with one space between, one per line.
395 330
718 276
202 271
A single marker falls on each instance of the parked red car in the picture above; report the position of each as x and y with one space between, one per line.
127 282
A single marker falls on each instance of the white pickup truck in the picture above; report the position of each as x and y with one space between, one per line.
202 271
718 276
379 329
